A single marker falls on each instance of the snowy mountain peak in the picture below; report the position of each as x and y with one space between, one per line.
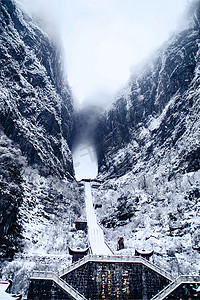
36 101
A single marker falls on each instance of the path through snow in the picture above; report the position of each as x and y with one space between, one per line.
86 166
95 233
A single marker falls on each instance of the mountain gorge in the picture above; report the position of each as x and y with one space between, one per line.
157 110
148 145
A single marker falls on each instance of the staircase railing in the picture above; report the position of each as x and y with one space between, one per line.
116 258
61 283
176 283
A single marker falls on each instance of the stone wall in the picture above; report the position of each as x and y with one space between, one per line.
40 289
143 282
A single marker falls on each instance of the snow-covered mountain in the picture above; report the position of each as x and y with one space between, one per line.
148 145
35 98
39 198
158 110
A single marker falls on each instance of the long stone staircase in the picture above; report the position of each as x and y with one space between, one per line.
95 232
101 259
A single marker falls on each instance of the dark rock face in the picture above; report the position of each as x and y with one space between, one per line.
11 196
124 211
46 289
35 128
35 100
158 110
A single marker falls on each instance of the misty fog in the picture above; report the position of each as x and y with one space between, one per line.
83 147
103 42
103 39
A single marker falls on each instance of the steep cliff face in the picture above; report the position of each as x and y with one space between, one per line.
35 99
157 112
149 156
11 196
38 197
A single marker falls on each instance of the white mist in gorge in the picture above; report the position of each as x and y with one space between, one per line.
102 42
102 39
85 161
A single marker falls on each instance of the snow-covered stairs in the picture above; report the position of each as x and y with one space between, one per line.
95 232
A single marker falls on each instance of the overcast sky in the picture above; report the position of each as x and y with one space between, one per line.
102 39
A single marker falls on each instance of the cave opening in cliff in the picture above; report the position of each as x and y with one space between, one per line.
83 142
85 161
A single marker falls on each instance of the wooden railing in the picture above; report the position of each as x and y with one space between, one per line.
176 283
61 283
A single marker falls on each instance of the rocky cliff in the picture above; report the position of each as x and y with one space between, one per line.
35 99
157 114
11 195
148 145
38 197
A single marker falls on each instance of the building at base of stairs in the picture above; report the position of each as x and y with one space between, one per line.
112 277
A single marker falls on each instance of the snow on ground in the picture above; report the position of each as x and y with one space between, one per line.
152 213
3 294
95 232
47 215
